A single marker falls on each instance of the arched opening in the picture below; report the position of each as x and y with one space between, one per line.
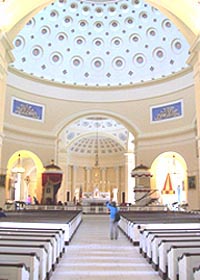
23 178
97 153
170 178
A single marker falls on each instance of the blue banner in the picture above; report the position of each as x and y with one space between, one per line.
167 111
27 110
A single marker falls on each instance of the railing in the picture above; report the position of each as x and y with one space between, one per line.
86 209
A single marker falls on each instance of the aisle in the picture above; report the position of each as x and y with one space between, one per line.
92 255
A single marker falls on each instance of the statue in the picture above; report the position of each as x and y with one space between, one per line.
96 192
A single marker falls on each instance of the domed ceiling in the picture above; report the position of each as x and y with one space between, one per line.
96 134
100 43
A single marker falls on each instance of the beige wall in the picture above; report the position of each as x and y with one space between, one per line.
150 139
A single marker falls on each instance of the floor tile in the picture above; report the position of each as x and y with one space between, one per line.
92 255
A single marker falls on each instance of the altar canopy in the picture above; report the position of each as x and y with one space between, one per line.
51 182
141 171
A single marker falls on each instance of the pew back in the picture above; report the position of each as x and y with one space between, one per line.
186 263
31 261
176 252
11 271
38 249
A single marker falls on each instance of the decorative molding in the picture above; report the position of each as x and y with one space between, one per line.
167 111
7 45
28 110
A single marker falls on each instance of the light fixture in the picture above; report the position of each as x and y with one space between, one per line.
18 168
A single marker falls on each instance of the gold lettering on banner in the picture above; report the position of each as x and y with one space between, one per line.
168 113
26 111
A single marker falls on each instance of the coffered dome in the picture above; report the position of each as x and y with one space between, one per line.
96 134
100 43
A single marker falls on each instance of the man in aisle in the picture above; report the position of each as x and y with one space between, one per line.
114 232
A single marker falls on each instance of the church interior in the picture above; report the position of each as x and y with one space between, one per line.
100 88
100 102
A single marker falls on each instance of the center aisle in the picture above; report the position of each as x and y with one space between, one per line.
92 255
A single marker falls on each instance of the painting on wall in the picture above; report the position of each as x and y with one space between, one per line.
2 180
191 182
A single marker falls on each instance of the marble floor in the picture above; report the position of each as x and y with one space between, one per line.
92 255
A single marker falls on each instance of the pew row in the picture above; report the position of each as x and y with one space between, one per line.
186 263
133 222
154 240
23 241
141 229
157 242
196 273
52 250
138 227
45 220
50 229
14 271
58 233
31 260
40 250
146 235
173 254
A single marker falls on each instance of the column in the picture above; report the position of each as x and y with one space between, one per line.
88 179
117 183
103 180
5 58
126 176
129 185
62 163
194 60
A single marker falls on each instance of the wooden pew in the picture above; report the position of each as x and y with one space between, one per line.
14 271
40 250
32 237
138 227
153 245
157 241
69 222
16 229
65 227
144 235
73 225
133 222
31 260
186 263
163 249
59 233
176 252
196 273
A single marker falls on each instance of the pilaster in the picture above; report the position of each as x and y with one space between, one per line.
5 58
194 61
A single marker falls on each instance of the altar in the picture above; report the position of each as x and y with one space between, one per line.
95 198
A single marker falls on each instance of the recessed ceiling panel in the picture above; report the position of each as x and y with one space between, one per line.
97 43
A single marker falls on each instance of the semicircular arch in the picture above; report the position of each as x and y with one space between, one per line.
169 171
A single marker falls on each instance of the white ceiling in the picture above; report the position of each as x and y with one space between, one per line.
93 135
100 43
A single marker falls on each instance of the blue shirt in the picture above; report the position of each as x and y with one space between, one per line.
113 210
